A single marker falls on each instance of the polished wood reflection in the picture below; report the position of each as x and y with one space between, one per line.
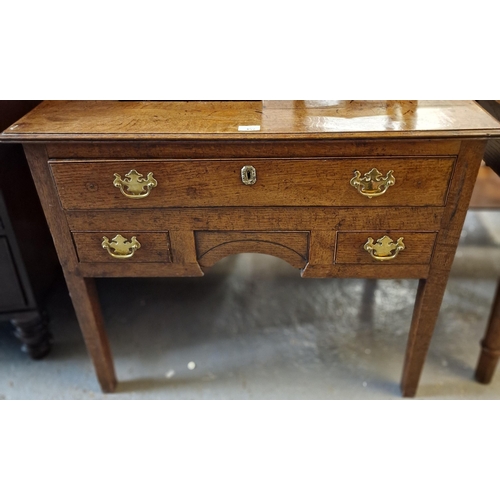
277 119
302 207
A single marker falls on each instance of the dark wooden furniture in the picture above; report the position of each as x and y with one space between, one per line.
28 263
362 189
17 300
490 344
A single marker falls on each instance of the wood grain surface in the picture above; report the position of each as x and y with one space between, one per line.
155 247
258 218
302 208
212 246
82 289
248 148
125 120
418 248
431 290
285 182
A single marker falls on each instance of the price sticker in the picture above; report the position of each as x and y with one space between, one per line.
248 128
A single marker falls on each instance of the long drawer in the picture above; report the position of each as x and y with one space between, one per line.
357 182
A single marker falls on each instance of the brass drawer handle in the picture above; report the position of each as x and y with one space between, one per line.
136 185
373 183
248 175
385 248
120 247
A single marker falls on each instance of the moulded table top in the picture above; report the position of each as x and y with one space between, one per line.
158 120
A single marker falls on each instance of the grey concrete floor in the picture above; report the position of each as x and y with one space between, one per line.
256 330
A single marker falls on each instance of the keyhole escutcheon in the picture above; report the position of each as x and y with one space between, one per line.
248 175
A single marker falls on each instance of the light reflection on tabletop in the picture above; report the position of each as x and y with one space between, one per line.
352 115
74 120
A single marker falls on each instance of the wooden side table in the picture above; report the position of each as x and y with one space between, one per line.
361 189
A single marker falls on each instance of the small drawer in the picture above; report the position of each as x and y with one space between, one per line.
114 246
381 247
360 182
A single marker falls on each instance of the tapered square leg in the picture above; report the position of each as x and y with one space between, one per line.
427 304
82 290
431 290
86 303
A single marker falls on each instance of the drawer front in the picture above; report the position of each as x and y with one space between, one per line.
384 248
114 246
278 182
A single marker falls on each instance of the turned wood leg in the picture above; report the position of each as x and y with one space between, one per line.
86 303
31 329
490 345
425 313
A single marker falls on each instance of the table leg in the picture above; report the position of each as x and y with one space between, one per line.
431 290
490 345
82 290
427 304
86 303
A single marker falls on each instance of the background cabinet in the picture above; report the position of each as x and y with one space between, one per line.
28 263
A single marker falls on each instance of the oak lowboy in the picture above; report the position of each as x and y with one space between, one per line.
336 188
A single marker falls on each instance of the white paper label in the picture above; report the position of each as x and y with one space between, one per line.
248 128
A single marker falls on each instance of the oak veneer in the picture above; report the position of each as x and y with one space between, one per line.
302 208
213 246
221 120
282 182
419 247
155 247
